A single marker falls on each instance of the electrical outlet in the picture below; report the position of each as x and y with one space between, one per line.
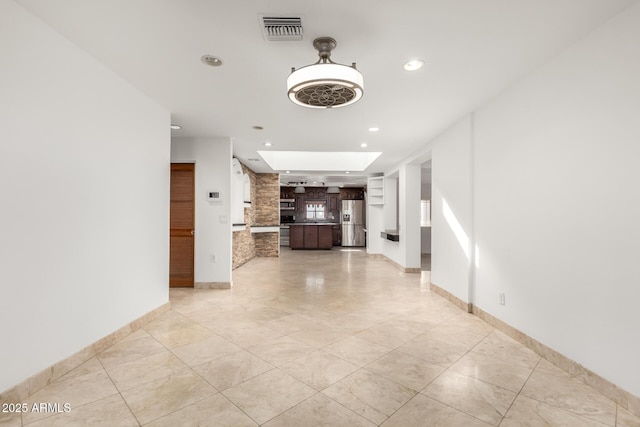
501 295
212 258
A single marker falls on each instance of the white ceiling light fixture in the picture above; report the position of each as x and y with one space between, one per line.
363 145
413 65
176 127
267 144
374 129
325 84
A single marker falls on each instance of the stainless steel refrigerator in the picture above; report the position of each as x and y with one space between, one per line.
353 223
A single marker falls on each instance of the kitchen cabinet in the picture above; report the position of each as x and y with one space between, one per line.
316 193
333 207
311 236
287 192
351 193
333 202
300 205
336 235
325 237
296 237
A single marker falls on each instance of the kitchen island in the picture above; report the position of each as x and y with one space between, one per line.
311 235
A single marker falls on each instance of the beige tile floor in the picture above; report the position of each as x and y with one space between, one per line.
320 338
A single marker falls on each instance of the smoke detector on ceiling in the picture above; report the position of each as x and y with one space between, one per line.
281 28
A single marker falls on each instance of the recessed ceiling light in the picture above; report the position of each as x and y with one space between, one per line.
413 65
211 60
288 172
176 127
374 129
258 127
267 144
363 145
347 172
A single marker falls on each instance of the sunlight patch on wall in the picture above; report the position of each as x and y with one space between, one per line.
455 226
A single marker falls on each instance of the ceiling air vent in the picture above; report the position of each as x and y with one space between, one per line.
281 28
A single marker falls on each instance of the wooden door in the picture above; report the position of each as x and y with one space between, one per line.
181 235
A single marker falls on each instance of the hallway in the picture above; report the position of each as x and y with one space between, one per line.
331 338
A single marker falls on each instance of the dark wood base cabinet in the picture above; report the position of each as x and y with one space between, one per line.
310 236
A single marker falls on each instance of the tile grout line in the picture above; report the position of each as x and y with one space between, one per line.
447 369
520 391
119 391
145 383
220 392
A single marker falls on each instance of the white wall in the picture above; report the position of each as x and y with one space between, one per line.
558 203
391 202
402 206
553 204
451 210
237 193
375 224
84 170
410 214
213 159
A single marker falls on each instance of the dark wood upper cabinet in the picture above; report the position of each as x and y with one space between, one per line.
333 202
317 194
287 192
352 193
300 205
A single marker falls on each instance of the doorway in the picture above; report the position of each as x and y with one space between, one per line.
425 216
182 219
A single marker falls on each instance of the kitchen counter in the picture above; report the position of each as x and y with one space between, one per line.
313 223
265 228
311 235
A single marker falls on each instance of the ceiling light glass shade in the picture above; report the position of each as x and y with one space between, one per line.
325 85
299 189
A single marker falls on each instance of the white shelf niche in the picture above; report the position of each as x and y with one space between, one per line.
375 189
